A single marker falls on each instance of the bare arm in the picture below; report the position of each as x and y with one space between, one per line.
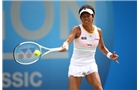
75 32
103 49
101 45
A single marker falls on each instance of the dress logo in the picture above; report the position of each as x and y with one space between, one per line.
90 36
89 44
83 38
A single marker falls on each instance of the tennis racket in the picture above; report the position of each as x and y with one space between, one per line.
24 52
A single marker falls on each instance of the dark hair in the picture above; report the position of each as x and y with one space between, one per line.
87 6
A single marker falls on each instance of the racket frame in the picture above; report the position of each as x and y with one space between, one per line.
40 49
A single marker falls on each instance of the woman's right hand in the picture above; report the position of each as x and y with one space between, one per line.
65 46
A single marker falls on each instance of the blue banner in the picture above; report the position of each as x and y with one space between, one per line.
49 24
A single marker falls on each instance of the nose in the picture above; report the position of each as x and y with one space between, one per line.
86 17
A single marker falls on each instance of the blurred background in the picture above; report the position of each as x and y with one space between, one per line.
49 23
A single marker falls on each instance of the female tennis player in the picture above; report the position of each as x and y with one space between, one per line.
86 37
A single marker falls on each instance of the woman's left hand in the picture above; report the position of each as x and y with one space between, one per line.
114 56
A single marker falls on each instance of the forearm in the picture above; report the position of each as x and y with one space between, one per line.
68 41
104 50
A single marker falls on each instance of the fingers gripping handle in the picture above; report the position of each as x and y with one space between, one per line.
58 49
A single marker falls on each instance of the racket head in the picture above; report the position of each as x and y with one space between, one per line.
24 53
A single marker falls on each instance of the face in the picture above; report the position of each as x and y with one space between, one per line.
86 18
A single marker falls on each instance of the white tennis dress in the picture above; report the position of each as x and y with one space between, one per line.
83 58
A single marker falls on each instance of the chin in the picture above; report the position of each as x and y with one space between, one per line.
88 23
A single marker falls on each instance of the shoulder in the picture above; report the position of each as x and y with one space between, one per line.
99 30
76 29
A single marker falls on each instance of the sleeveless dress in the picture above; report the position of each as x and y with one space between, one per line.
83 58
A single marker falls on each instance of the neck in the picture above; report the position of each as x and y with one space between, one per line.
89 25
88 28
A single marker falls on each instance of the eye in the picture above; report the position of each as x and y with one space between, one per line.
83 16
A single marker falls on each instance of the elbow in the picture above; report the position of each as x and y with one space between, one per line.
101 47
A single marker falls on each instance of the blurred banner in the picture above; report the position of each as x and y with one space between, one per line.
49 23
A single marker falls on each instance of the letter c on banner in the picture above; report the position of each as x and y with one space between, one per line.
25 33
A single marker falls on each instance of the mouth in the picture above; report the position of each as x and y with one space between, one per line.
86 21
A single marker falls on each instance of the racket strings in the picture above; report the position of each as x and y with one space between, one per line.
26 53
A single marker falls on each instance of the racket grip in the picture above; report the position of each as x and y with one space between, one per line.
56 49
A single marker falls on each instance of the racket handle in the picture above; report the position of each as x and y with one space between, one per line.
56 49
